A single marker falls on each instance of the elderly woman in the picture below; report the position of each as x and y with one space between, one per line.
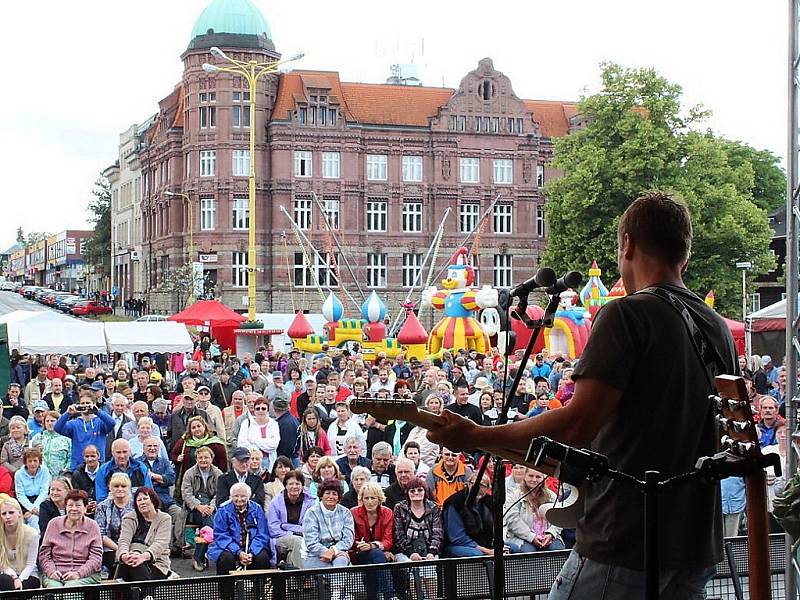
198 490
374 538
18 548
241 537
71 551
143 549
11 453
259 431
31 484
285 519
326 469
358 477
418 527
527 528
56 448
144 430
109 516
328 528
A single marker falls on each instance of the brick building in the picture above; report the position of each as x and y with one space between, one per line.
383 161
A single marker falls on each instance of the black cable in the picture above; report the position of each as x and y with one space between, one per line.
525 495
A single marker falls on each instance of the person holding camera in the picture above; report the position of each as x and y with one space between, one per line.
85 426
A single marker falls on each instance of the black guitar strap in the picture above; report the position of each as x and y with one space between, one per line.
710 358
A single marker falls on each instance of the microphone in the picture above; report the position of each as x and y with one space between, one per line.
543 278
571 279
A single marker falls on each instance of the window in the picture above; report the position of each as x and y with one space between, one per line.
539 175
520 128
503 266
376 215
470 170
302 163
495 124
331 206
208 163
453 121
502 218
302 213
412 217
240 110
241 213
330 165
412 168
377 167
208 214
331 116
540 221
208 112
241 163
469 213
323 271
302 115
412 265
188 168
486 124
755 302
462 123
239 275
376 270
503 171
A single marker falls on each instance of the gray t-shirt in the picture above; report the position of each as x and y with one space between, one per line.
664 422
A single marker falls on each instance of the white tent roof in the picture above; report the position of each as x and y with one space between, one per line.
159 336
67 336
773 311
26 318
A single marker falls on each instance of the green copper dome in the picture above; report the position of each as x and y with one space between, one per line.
237 17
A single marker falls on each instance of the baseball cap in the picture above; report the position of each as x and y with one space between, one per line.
71 378
40 405
280 402
241 454
15 384
765 360
277 374
293 350
192 395
203 388
155 376
98 386
160 405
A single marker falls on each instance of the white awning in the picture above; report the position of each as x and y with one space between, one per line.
157 336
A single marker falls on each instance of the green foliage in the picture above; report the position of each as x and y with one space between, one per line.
20 236
637 138
98 247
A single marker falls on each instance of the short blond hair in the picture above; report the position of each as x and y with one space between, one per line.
118 478
375 488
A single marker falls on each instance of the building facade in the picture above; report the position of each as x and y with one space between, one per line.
66 268
352 179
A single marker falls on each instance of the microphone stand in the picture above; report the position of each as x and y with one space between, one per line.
499 483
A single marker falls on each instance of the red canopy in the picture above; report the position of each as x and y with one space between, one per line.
208 312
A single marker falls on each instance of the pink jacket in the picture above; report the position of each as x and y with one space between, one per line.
63 550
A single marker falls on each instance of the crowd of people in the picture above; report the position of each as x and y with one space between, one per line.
259 462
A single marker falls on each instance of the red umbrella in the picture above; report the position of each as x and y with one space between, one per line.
208 312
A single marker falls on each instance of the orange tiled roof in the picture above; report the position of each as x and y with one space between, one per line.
384 104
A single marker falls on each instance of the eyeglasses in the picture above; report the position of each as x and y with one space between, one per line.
449 454
261 408
418 490
204 393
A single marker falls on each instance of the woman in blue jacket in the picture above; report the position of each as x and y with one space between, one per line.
232 547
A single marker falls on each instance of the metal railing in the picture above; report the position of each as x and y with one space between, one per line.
528 576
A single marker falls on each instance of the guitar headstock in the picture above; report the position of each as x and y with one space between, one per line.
386 409
735 417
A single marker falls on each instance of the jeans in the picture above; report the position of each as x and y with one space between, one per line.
585 579
375 581
461 551
554 545
315 562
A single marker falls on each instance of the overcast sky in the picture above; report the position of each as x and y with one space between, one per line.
77 74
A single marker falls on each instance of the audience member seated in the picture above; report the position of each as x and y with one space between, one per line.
418 527
109 517
353 457
32 483
447 476
239 473
198 490
469 530
121 462
285 519
56 449
326 469
163 475
144 542
71 551
56 503
373 524
382 468
84 475
19 545
197 435
311 435
328 528
358 478
275 485
527 528
11 453
259 431
404 470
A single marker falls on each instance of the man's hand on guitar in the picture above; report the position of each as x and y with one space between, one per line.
456 433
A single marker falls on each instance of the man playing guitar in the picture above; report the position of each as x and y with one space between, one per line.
641 398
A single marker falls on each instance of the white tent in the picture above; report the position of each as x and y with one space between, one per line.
159 336
66 336
20 319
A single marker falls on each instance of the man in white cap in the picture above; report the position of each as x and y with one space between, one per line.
481 384
765 378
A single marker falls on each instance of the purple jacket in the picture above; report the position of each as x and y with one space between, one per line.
276 520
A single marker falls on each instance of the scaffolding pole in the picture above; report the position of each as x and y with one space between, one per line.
792 273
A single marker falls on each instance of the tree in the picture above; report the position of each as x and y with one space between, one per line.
637 137
178 283
36 236
98 247
20 236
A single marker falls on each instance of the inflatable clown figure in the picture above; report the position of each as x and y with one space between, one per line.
458 328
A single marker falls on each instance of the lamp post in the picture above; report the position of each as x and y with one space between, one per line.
744 266
190 218
251 70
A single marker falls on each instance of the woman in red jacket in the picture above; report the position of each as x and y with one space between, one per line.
374 538
6 482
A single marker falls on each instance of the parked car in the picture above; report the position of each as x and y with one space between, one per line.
69 302
59 300
28 291
90 307
152 318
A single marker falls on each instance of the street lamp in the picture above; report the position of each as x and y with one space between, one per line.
251 71
190 217
744 266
